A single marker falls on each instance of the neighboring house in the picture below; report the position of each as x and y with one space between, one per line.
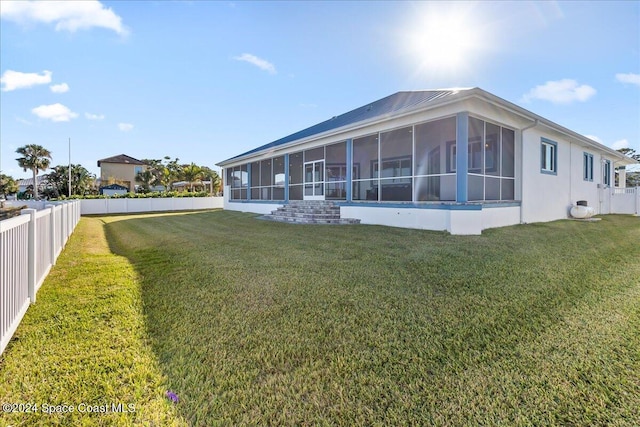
23 184
186 186
120 169
461 160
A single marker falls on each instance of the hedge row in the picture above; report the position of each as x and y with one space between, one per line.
153 195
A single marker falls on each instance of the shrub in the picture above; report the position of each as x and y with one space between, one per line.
155 195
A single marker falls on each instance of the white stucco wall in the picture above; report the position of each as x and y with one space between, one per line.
547 197
581 189
424 219
500 216
259 208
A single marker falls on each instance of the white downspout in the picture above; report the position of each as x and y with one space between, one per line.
570 202
600 187
534 124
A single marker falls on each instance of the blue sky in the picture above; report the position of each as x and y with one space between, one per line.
205 81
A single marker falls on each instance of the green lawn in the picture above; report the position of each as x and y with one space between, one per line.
259 323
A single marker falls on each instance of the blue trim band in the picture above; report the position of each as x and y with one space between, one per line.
259 202
409 205
248 181
286 178
462 153
452 206
349 183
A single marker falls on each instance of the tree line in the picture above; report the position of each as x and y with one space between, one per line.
166 173
160 175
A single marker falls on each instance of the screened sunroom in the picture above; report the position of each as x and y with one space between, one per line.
416 163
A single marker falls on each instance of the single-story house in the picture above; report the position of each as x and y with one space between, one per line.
24 184
121 169
204 185
461 160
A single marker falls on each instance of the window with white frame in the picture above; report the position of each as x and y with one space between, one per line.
606 173
548 156
587 166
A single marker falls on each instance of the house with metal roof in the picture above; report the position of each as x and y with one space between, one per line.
461 160
120 169
24 184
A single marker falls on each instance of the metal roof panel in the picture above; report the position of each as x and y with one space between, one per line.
388 106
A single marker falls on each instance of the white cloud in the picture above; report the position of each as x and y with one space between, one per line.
258 62
125 127
12 80
595 138
67 15
90 116
622 143
54 112
61 88
563 91
630 78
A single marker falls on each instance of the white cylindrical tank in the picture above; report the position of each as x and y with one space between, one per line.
582 212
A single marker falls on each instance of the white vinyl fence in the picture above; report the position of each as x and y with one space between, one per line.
625 200
29 246
160 204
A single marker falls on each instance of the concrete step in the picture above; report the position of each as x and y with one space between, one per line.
310 212
295 220
305 215
335 210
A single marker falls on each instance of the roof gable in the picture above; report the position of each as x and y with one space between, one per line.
121 158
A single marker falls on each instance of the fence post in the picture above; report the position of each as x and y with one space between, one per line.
52 237
31 249
65 222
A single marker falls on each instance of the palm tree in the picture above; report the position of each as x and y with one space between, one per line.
147 179
171 172
192 173
216 183
213 178
35 158
81 179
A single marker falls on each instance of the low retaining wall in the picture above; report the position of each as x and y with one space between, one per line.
113 206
